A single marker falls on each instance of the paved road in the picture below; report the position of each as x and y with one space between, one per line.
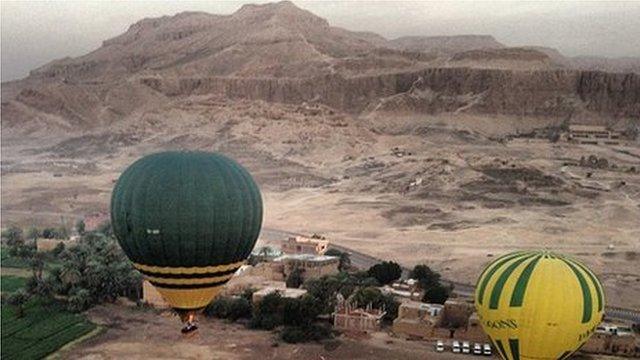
364 261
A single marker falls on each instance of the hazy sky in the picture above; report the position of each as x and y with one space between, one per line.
34 33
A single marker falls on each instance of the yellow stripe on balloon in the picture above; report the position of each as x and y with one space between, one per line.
188 270
189 299
207 280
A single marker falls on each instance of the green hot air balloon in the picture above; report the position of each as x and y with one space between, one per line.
187 221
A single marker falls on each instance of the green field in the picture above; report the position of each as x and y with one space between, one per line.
9 283
41 331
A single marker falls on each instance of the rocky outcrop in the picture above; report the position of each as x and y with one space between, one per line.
545 93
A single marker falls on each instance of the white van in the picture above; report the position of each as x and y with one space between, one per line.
455 347
439 346
477 349
487 349
466 348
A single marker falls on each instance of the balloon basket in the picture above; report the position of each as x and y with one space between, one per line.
189 330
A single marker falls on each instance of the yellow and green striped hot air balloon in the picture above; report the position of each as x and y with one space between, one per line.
187 221
538 305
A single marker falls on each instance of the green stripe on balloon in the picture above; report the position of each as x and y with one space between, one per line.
514 346
594 281
565 355
501 349
587 307
502 280
485 280
521 286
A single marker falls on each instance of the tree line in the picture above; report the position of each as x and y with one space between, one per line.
92 271
95 270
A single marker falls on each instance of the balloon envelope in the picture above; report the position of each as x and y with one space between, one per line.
187 221
538 305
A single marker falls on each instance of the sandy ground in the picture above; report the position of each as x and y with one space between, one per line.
451 195
136 334
131 333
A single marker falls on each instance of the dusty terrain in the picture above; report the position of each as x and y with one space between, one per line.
435 189
138 334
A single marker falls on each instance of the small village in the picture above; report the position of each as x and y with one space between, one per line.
449 326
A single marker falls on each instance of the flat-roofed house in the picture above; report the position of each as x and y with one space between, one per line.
593 134
417 320
311 266
305 245
284 292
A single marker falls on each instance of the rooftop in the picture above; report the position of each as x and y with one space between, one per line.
269 251
286 292
306 257
421 305
587 128
304 239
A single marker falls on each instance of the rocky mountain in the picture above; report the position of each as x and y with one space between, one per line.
280 53
275 40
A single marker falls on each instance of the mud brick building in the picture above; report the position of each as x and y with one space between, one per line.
305 245
347 317
311 266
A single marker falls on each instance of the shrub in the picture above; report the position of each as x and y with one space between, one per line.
425 276
268 314
33 233
58 249
229 308
218 308
293 334
79 300
294 280
436 294
105 228
385 272
240 308
13 236
80 227
49 233
345 258
299 334
18 299
248 294
39 287
300 312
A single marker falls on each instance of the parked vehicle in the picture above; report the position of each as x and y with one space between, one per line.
487 349
439 346
455 347
477 349
466 348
